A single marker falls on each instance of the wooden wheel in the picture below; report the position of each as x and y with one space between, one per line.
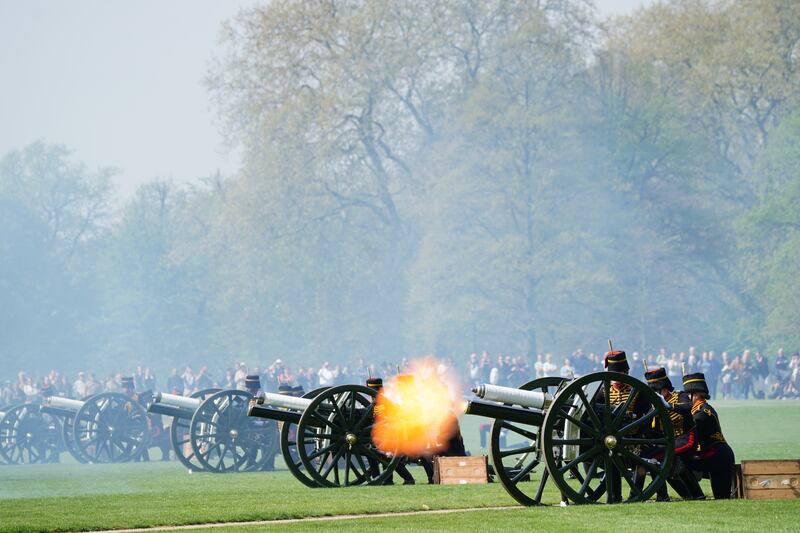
180 437
334 439
28 436
289 447
224 439
68 439
111 428
584 428
516 451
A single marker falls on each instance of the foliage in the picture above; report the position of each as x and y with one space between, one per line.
428 176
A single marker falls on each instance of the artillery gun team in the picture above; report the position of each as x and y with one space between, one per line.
602 437
606 436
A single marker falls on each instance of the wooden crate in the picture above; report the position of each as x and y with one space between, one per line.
771 480
460 470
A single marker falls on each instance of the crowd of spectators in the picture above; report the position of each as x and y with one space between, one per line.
729 376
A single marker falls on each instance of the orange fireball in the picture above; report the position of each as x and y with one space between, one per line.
415 413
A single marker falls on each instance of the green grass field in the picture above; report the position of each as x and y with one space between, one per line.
84 497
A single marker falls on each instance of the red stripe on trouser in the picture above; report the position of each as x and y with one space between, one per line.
686 447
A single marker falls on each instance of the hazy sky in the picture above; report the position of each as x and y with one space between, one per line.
120 82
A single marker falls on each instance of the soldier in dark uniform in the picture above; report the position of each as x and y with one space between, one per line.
684 482
155 423
252 383
713 454
617 361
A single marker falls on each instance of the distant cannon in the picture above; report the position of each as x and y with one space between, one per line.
28 436
326 435
591 435
211 431
105 428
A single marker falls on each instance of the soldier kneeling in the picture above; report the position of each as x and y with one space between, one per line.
713 455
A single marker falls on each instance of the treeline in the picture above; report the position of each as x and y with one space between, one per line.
427 176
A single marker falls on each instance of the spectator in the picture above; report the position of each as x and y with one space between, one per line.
326 376
175 382
79 386
567 371
549 368
538 367
189 379
92 385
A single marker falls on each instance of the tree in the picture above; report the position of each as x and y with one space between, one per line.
69 199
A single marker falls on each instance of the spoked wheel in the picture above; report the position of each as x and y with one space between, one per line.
334 439
180 437
68 438
289 447
28 436
223 437
592 423
111 428
2 438
516 453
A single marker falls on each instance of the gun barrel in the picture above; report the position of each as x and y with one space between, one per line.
269 413
170 410
174 400
64 404
283 401
532 417
525 398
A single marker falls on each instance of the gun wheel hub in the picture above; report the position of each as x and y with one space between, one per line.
350 439
610 441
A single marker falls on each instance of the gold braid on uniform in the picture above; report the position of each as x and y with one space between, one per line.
618 396
697 406
674 417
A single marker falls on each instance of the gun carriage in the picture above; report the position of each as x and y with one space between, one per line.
28 436
105 428
593 443
326 436
211 431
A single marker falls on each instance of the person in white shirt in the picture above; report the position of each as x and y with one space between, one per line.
549 368
79 387
326 375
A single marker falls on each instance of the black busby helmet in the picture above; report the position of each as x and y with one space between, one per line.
375 383
616 362
297 391
695 383
285 388
657 379
48 391
127 383
252 382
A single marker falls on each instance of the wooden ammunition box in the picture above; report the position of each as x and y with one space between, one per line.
460 470
771 479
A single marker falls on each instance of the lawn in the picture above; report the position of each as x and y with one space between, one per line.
74 497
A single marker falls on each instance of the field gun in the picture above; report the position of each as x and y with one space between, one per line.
326 435
105 428
28 436
593 441
211 431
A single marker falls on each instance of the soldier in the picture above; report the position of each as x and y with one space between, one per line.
616 361
713 455
684 483
155 423
252 383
